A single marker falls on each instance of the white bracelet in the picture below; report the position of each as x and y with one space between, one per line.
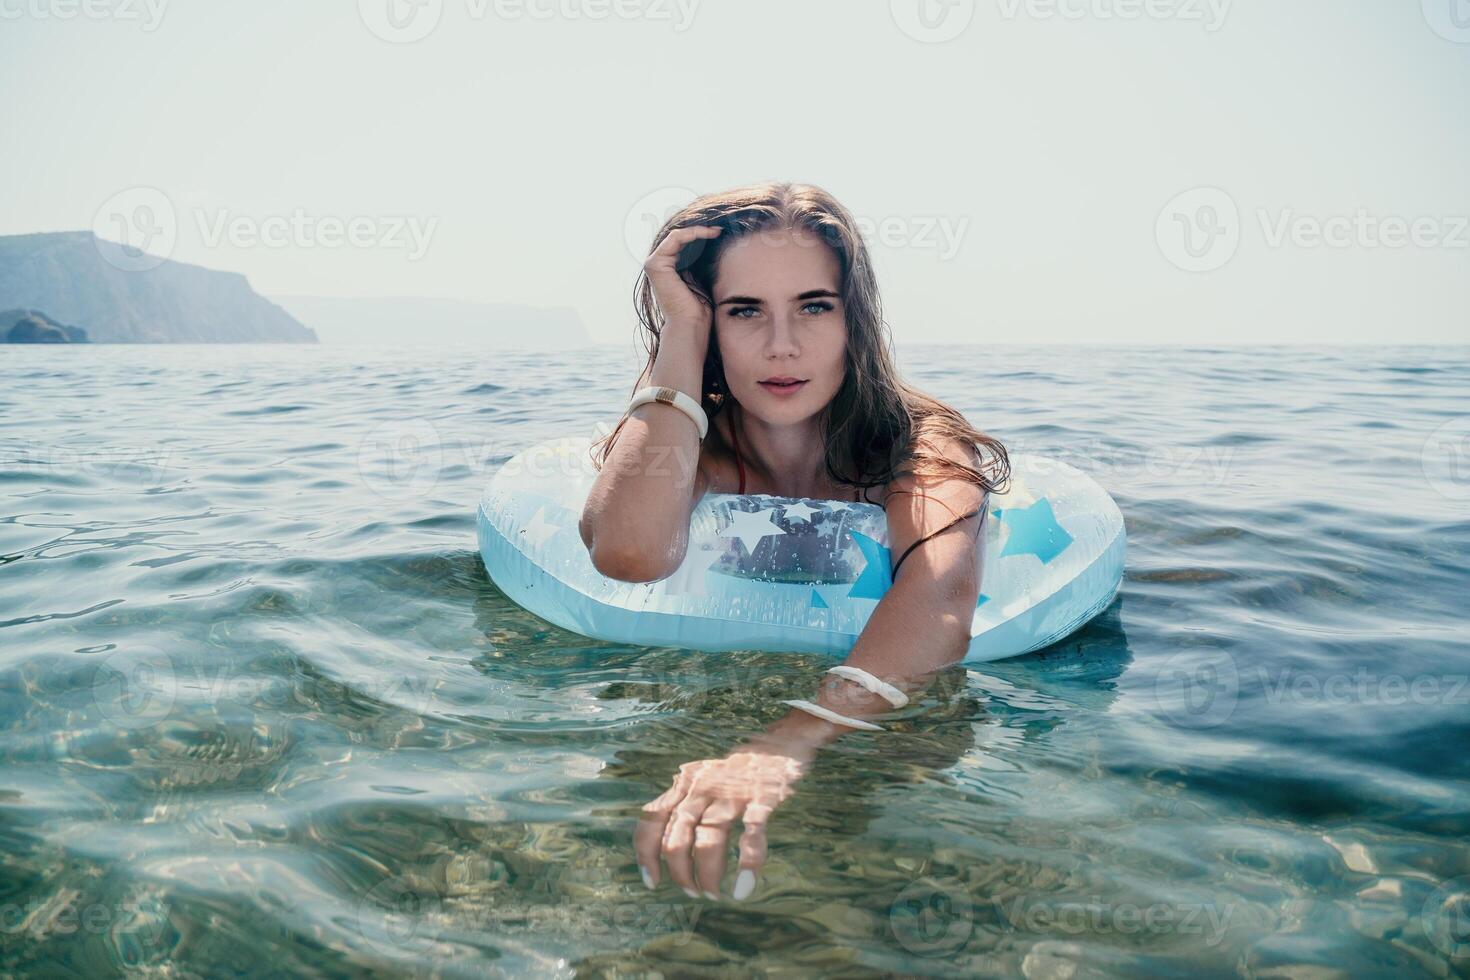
881 688
674 397
832 716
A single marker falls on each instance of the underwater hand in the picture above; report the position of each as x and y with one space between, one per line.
689 826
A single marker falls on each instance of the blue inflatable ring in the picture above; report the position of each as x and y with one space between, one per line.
791 574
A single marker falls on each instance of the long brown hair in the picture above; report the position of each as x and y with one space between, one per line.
877 426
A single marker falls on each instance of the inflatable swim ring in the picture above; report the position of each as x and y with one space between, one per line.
791 574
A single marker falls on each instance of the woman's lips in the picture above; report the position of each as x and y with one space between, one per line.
776 389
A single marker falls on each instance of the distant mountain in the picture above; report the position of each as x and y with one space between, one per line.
66 274
427 320
35 327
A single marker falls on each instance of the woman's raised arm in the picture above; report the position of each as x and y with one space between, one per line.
635 522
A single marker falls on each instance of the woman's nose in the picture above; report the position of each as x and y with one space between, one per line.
782 339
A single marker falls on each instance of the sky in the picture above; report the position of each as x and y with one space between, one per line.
1034 171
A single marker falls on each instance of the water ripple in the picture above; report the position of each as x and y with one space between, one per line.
260 705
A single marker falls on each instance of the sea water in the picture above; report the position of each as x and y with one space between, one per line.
262 711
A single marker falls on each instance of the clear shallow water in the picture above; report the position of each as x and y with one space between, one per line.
261 710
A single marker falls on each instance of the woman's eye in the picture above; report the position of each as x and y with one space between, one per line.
739 312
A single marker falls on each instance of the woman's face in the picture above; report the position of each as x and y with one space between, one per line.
778 314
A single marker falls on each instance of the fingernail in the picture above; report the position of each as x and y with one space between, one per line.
647 878
712 896
744 885
691 893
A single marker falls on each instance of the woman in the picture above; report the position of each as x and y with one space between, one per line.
762 303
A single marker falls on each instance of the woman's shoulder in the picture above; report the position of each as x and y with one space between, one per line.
924 475
926 458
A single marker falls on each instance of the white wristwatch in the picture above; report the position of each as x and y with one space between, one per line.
676 398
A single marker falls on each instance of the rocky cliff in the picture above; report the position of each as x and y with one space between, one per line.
35 327
67 275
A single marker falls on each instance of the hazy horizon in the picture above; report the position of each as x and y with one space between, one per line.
1200 172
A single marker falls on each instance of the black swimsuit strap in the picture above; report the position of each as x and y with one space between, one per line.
931 534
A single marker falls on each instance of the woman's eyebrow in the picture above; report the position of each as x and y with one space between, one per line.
754 301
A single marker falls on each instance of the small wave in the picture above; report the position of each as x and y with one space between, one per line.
268 410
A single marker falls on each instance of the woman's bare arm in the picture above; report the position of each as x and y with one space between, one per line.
635 522
922 624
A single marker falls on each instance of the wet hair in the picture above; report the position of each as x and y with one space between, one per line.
877 427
